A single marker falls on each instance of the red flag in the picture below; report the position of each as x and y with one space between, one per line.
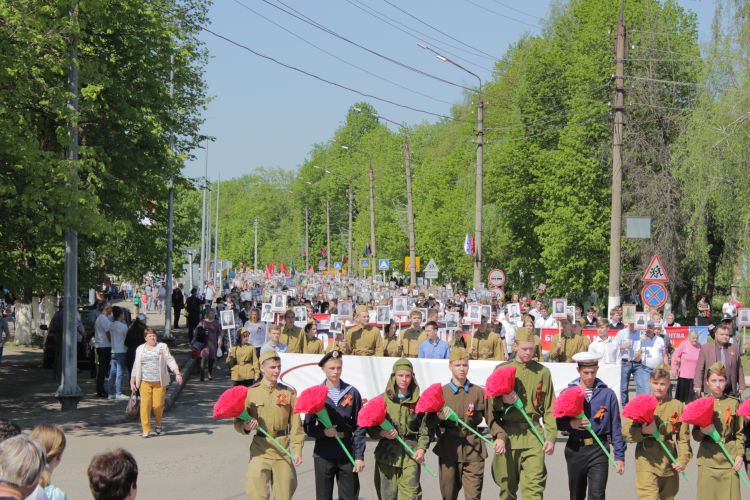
344 260
268 271
273 266
284 270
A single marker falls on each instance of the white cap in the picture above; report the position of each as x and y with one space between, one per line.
587 358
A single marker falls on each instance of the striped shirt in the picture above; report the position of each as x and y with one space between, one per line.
335 394
150 365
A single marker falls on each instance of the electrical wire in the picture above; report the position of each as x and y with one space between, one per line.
516 10
385 19
298 15
320 78
375 75
480 51
670 82
499 14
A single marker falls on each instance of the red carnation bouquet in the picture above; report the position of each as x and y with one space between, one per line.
640 410
431 400
231 404
744 409
569 404
313 401
373 414
701 413
501 382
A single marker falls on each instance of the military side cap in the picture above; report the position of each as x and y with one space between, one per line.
361 309
289 310
587 358
266 355
717 367
458 353
415 311
335 354
525 335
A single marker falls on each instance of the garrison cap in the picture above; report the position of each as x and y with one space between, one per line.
266 355
525 335
458 353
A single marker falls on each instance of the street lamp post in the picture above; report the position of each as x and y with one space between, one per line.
480 168
190 253
371 176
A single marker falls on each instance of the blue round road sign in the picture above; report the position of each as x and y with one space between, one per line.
654 295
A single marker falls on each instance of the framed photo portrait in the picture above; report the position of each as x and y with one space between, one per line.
558 308
336 325
227 319
300 313
346 309
278 301
474 313
628 313
266 312
641 318
514 313
399 305
383 315
451 320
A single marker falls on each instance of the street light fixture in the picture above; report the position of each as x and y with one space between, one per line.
480 167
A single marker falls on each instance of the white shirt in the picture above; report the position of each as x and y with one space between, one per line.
101 326
117 333
608 349
541 322
729 308
651 356
209 293
510 333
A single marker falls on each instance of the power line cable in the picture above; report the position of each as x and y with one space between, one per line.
298 15
339 58
385 19
516 10
499 14
494 58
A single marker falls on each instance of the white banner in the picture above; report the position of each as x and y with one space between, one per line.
369 374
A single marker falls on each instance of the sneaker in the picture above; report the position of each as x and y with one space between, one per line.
158 430
122 397
111 396
145 436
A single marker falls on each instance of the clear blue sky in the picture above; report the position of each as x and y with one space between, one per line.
265 115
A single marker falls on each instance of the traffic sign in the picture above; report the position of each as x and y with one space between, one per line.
499 293
654 295
407 264
496 277
338 266
364 263
431 270
322 265
384 264
655 272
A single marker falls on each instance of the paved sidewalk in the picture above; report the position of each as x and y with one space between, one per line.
27 390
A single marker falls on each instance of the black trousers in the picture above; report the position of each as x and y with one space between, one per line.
343 472
177 311
587 466
192 323
105 356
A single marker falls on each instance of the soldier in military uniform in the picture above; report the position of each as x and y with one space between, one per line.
392 346
363 339
313 345
461 454
522 461
717 478
486 344
564 345
588 466
655 475
292 336
270 404
396 472
413 336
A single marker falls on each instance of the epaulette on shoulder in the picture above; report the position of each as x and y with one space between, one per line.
284 387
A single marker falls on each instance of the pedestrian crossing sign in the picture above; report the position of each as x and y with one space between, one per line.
364 263
384 264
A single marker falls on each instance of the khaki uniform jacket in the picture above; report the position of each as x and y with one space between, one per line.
313 346
649 455
243 362
486 345
534 388
294 339
391 347
456 444
272 406
730 427
364 341
570 346
411 339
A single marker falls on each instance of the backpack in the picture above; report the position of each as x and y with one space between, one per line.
200 334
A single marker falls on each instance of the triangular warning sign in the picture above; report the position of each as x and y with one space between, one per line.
655 272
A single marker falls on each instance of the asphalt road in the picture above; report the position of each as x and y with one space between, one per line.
199 458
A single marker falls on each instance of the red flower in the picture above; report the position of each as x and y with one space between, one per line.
231 403
569 403
744 409
311 400
431 400
373 413
700 412
500 382
640 409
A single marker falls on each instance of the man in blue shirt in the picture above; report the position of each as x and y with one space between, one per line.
433 347
588 466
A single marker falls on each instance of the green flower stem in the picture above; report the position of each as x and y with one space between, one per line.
246 417
518 404
388 426
658 438
717 439
325 419
453 417
582 416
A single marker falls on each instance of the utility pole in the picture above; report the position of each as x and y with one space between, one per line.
204 259
328 234
170 224
351 220
255 245
616 216
307 237
209 206
68 393
406 151
479 201
217 279
373 264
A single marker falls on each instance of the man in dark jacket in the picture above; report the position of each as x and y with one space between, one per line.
587 464
193 306
178 304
